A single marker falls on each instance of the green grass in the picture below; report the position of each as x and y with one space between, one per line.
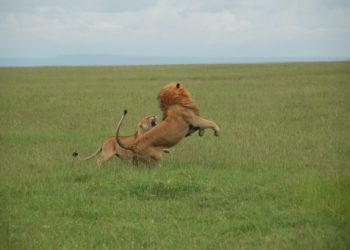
277 177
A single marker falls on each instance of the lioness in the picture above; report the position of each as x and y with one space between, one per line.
180 118
109 148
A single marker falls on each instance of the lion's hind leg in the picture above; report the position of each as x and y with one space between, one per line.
150 156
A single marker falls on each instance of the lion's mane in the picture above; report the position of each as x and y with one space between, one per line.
175 94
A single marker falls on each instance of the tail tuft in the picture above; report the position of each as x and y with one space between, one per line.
75 154
125 111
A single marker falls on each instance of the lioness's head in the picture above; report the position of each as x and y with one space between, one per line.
147 123
175 93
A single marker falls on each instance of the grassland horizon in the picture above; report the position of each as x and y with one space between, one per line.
277 177
127 60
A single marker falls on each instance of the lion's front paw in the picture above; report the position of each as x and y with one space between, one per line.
216 131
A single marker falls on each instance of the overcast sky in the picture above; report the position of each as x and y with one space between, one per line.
241 28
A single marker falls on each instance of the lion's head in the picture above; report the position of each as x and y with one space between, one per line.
175 94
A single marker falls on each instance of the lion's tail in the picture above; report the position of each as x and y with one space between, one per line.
120 142
76 155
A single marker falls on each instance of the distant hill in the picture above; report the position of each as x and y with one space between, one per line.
100 60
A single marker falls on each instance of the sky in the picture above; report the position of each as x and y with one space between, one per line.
197 28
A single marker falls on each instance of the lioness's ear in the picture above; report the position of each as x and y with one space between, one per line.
178 85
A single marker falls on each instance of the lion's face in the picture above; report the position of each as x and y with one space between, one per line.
147 123
175 94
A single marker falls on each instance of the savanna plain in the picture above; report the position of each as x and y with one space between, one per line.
277 177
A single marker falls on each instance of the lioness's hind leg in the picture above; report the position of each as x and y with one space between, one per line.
104 157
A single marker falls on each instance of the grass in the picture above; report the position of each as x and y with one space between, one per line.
277 177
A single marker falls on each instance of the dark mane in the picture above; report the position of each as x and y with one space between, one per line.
174 94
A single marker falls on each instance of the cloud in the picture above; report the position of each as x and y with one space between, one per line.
169 27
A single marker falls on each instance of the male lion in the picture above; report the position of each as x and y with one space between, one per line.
109 148
180 118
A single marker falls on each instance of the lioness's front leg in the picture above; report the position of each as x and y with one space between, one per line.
202 124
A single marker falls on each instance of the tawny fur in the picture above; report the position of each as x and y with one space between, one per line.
180 118
110 148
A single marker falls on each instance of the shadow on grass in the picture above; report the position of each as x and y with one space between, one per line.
163 190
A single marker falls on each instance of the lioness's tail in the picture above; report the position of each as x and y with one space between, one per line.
121 144
76 155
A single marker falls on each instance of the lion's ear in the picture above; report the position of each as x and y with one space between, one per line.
178 85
